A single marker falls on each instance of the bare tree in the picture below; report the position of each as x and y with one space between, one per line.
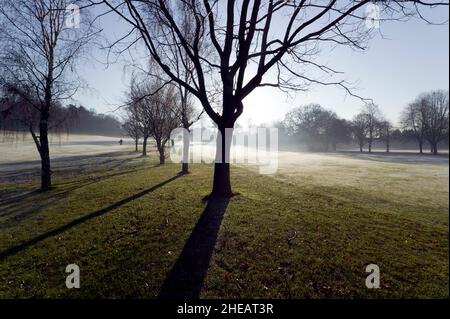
385 132
413 118
371 113
137 110
133 127
359 130
255 44
184 69
157 111
162 114
37 58
436 118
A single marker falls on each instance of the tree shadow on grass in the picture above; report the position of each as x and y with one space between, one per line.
17 207
185 280
14 250
14 172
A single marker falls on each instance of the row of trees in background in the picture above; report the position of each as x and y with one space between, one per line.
88 121
154 110
425 119
152 113
428 118
18 116
317 127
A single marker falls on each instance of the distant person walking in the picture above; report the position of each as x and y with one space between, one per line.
121 142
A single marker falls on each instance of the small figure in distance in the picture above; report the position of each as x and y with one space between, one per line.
121 142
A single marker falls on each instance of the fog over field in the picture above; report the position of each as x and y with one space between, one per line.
21 148
401 175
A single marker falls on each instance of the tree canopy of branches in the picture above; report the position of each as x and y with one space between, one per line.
37 59
156 110
385 129
372 115
132 126
253 44
317 127
135 115
359 130
428 118
413 118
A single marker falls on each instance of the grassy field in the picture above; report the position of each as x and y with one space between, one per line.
307 232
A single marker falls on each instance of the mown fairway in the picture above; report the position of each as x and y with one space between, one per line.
307 232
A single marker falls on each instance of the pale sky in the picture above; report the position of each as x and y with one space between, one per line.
413 57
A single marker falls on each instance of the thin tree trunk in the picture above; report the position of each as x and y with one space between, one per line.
186 144
44 150
136 141
222 181
420 147
435 149
46 179
144 147
361 147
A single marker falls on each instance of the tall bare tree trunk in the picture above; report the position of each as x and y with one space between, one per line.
222 180
136 142
144 146
44 152
421 147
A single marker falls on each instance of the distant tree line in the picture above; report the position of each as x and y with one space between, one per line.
18 116
425 120
84 121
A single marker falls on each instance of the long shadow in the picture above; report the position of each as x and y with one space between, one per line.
59 194
62 167
185 280
57 231
30 169
69 159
